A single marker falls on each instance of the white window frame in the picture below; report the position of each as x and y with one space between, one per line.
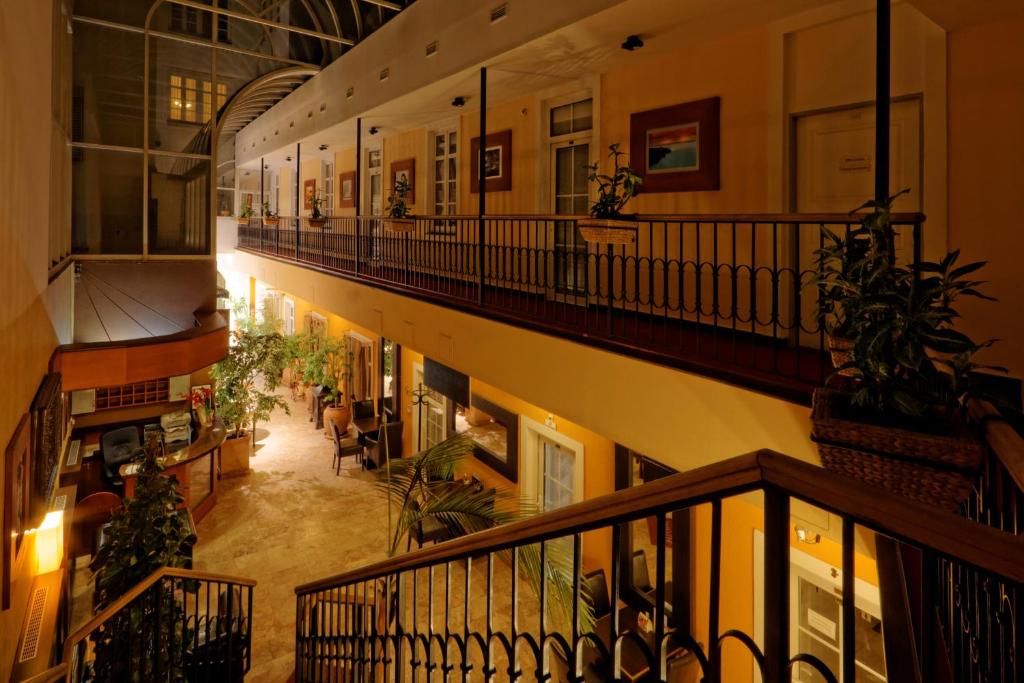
368 173
327 171
532 467
446 128
288 315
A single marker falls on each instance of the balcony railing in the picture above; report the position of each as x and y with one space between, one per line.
459 609
723 295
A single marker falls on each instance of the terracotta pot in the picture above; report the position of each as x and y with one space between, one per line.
608 230
341 416
271 221
399 224
243 221
234 456
317 222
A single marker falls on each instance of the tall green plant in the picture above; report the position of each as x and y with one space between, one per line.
397 207
615 190
245 380
908 358
328 363
422 485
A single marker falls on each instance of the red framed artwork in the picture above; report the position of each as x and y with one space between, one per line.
347 190
308 192
15 517
677 148
406 168
497 162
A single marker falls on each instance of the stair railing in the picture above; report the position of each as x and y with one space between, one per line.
452 610
177 624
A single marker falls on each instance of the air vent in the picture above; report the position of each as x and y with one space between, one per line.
350 93
432 49
34 625
499 13
323 106
59 503
276 132
385 74
291 124
76 447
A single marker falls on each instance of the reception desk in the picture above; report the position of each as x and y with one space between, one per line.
194 466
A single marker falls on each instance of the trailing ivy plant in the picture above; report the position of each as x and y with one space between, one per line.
615 190
908 358
245 380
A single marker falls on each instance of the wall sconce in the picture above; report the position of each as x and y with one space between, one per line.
374 130
805 536
632 43
50 543
459 101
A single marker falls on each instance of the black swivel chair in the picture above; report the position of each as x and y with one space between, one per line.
375 444
344 445
596 587
119 446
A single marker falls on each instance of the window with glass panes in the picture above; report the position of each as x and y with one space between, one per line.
572 118
445 172
185 103
569 132
328 189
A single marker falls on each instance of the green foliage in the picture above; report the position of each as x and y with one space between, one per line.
269 322
907 356
327 363
315 203
613 190
267 213
397 207
246 212
423 486
240 400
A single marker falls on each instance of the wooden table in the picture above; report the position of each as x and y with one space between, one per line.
194 465
367 426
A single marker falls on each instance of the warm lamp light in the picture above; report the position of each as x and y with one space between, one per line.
50 543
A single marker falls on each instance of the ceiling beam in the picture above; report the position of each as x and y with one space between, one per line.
264 22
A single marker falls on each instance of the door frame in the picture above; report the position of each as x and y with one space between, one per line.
530 472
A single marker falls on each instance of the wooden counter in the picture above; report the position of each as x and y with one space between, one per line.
194 465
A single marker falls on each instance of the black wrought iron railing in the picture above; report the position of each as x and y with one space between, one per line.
176 625
725 295
466 608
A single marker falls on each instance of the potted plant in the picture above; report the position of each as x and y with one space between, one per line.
398 218
241 401
270 218
201 400
329 366
316 217
607 224
246 214
897 421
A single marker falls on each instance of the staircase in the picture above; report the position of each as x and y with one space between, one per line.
477 607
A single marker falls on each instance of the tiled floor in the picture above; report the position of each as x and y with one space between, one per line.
289 521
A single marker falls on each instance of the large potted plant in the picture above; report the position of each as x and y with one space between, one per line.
398 218
897 420
316 217
329 366
270 217
607 224
244 384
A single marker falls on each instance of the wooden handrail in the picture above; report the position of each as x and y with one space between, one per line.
1003 440
984 547
51 675
904 218
137 590
206 323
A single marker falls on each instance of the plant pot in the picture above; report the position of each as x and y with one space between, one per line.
243 221
317 222
271 222
341 416
608 230
841 350
234 456
400 224
935 469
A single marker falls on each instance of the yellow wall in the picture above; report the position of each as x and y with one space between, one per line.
344 161
986 179
408 145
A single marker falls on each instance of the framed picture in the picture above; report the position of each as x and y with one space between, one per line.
16 483
676 149
495 434
308 192
404 170
497 162
347 185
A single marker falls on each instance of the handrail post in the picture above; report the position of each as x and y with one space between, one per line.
611 292
482 189
298 196
357 192
776 584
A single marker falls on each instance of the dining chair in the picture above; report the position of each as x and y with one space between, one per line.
596 587
362 409
375 445
344 445
641 574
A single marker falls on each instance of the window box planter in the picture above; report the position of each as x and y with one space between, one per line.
243 221
608 230
317 222
271 221
400 224
936 467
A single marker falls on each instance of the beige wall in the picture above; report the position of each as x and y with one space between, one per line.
986 178
27 333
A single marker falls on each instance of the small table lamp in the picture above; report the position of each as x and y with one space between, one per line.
50 543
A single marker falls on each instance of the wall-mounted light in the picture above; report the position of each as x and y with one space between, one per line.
459 101
323 148
50 543
374 130
287 158
632 43
805 536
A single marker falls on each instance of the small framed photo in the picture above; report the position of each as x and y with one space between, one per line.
497 162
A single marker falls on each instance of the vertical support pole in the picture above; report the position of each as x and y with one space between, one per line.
358 191
482 190
262 199
298 196
849 641
611 289
776 584
716 588
882 67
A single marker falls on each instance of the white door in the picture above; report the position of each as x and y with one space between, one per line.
429 426
570 192
558 475
835 173
374 182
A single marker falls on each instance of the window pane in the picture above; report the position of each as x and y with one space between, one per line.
561 120
564 171
452 142
107 96
583 116
580 171
439 145
452 167
106 202
192 64
439 170
179 205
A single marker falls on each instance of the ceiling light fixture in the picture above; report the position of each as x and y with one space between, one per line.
459 101
323 148
632 43
374 130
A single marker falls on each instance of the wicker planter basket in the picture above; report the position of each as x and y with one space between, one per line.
271 222
317 222
608 231
841 350
935 469
399 224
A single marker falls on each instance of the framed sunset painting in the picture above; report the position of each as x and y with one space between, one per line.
676 149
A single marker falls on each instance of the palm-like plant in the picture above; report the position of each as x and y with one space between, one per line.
423 486
615 190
